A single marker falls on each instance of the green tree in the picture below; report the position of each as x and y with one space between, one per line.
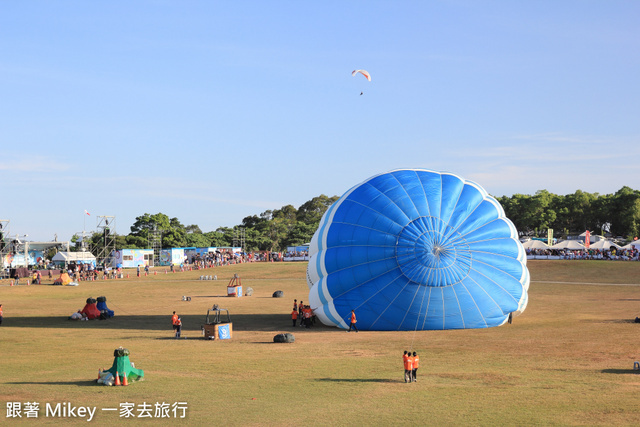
218 237
173 232
625 213
311 212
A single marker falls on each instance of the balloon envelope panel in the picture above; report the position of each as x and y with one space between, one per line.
417 249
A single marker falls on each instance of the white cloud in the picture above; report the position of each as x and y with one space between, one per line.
30 163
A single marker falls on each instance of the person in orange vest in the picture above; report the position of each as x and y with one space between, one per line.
404 362
174 321
352 325
300 313
407 359
0 314
295 305
178 327
416 364
294 317
307 316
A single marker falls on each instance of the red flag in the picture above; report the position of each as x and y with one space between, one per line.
85 211
587 239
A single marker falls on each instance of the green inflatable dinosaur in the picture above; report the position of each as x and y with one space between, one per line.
122 366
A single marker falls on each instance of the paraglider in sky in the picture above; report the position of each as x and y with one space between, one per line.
365 73
415 249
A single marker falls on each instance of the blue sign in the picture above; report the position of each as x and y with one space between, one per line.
223 332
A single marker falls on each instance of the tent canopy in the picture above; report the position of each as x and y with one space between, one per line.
633 245
573 245
535 244
77 257
603 244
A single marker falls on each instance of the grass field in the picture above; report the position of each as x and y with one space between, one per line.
568 360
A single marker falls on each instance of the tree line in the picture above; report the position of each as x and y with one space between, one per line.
617 215
273 230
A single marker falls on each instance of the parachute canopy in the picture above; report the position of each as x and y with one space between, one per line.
415 249
365 73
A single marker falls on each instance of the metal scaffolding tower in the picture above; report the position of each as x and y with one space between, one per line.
155 242
239 238
5 243
107 229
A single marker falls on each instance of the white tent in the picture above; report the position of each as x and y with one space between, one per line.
603 244
535 244
77 257
572 245
633 245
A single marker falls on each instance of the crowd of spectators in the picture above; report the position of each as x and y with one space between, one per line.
296 254
612 254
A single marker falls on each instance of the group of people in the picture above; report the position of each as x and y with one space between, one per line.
304 313
146 270
411 364
307 316
598 254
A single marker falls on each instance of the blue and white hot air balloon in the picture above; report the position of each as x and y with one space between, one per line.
415 249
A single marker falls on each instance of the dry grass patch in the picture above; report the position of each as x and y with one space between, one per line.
566 361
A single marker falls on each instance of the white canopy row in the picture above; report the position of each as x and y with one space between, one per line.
575 245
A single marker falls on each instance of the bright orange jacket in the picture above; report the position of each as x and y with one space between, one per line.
174 319
408 363
294 314
416 361
0 311
353 317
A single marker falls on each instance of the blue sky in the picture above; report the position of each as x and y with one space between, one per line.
212 111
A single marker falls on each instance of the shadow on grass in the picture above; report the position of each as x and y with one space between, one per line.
358 380
620 371
83 383
190 323
191 337
209 296
611 321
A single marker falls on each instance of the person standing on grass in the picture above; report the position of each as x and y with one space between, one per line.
295 305
416 364
307 316
408 366
0 314
294 317
352 325
174 321
404 364
178 327
301 313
